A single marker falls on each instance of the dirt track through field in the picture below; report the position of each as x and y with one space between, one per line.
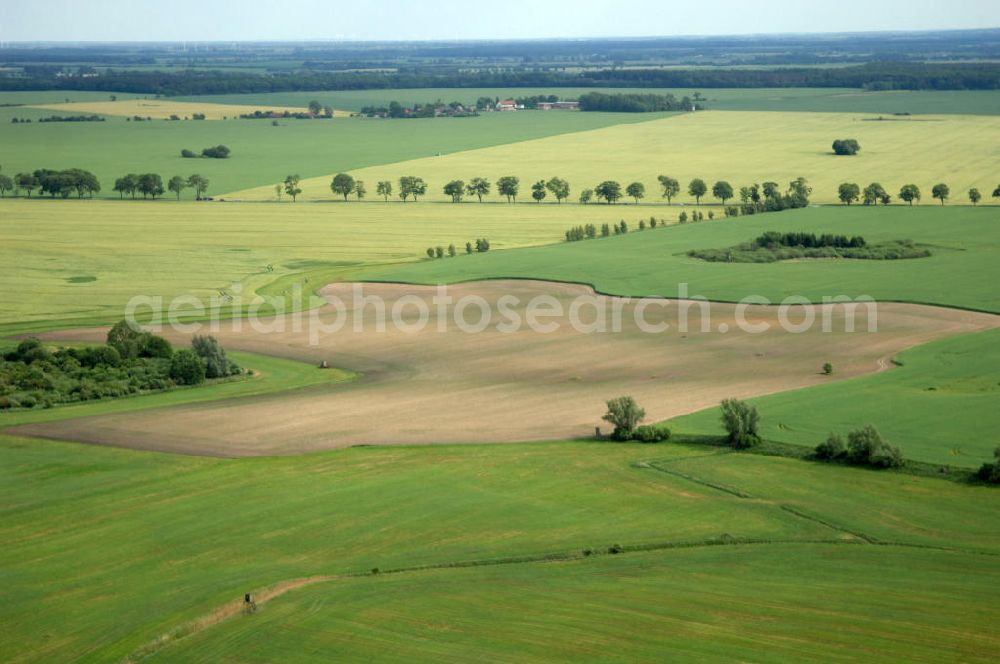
495 386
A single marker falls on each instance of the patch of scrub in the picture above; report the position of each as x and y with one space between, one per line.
81 279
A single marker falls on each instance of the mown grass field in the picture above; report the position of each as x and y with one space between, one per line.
739 147
262 154
192 534
830 100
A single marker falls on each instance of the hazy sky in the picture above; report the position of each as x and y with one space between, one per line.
201 20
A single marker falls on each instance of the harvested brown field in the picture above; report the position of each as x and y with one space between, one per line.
494 386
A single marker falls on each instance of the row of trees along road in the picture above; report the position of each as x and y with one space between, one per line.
151 185
509 187
875 193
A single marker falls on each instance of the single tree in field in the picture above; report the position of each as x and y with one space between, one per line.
874 193
455 189
771 190
697 188
359 189
315 107
586 195
177 184
742 422
847 146
624 413
559 188
411 185
975 196
384 189
609 190
508 186
848 192
909 193
292 186
636 190
451 250
328 111
670 187
996 192
199 184
885 198
127 185
538 191
722 190
342 184
941 192
278 190
6 184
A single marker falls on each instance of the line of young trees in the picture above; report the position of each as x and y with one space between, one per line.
481 246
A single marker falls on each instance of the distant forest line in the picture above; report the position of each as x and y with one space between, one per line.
871 76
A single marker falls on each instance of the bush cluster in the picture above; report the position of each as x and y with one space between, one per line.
132 362
990 472
865 447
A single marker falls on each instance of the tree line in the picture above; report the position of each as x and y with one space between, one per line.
874 76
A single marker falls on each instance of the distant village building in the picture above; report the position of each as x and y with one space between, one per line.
508 105
558 106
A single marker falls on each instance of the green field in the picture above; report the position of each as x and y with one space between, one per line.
263 153
831 100
940 406
796 602
192 534
960 272
527 551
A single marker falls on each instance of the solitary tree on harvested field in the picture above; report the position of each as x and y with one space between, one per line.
697 188
941 192
909 193
848 192
359 189
342 184
411 185
996 192
586 195
624 413
636 190
278 190
670 186
292 186
6 184
384 189
975 196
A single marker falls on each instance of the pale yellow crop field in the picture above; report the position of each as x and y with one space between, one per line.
740 147
77 260
162 109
